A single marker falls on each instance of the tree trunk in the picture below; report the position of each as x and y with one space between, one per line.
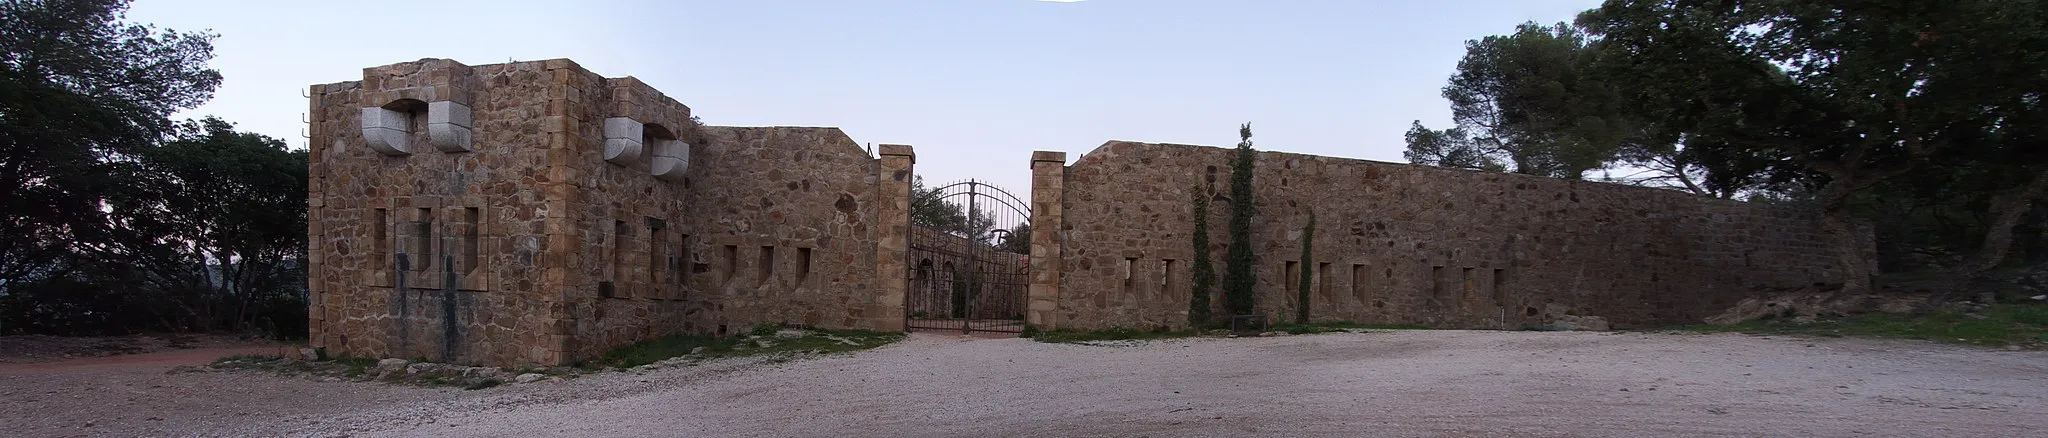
1856 271
2007 209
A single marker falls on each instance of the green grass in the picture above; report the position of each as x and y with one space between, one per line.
1337 326
246 359
672 346
1112 334
765 340
1125 334
485 383
1998 325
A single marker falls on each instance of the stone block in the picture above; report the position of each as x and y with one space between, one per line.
387 131
449 126
897 150
671 160
622 136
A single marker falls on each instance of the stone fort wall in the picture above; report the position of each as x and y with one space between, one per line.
539 213
546 214
1406 244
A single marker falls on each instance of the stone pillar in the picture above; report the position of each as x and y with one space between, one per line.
562 285
1048 182
892 219
316 214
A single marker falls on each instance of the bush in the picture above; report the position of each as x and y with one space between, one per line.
1998 325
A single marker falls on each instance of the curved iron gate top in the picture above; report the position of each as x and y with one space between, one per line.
970 245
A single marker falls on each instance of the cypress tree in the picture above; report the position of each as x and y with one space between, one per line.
1308 239
1238 277
1205 273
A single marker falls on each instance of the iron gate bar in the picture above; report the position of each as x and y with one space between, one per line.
961 279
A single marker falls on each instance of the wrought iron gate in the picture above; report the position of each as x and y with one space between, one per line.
970 245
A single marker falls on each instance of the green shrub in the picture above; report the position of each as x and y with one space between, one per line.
1204 271
1998 325
1238 276
1111 334
485 383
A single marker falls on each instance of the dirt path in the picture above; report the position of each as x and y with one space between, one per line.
19 349
139 395
1414 383
143 362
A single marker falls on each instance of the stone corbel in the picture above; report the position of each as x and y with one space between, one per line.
386 131
671 159
622 140
449 126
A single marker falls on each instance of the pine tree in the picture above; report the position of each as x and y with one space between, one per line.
1308 239
1238 277
1204 272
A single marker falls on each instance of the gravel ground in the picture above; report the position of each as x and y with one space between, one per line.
41 348
1408 383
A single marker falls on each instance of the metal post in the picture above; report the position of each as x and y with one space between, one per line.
974 244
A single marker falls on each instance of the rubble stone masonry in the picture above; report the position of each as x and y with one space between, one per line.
1407 244
539 213
529 205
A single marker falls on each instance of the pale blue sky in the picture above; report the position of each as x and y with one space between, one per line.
975 85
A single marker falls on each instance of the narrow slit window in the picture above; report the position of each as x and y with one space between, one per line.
657 257
1436 282
1130 274
1465 285
472 224
732 262
382 248
767 270
1167 281
423 240
1323 281
1500 286
1358 282
1291 272
803 265
380 243
679 262
619 233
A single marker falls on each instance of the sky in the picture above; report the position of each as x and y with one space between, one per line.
974 85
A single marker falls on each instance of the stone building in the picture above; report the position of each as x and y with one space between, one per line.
538 213
535 212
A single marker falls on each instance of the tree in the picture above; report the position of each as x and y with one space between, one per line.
1017 240
1238 276
1526 102
1204 272
1978 195
236 201
81 94
1447 148
930 209
113 218
85 100
1308 237
1841 97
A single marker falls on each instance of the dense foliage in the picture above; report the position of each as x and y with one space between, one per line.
1238 276
1524 103
1922 117
114 218
1203 270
